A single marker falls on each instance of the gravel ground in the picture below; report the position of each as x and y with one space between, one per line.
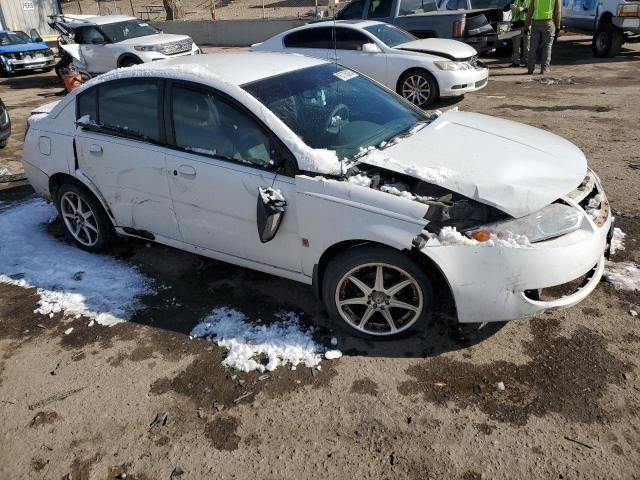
424 407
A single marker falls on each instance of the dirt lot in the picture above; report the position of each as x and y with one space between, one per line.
419 408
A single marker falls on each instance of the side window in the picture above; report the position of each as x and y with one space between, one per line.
411 7
380 8
130 107
205 124
309 38
89 35
88 104
352 11
349 39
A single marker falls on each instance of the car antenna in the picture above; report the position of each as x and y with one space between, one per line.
334 37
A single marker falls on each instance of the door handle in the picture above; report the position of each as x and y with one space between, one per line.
187 170
95 149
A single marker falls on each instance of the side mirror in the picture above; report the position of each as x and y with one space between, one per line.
35 36
370 48
270 212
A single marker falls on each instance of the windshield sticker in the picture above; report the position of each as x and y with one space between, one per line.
345 75
143 24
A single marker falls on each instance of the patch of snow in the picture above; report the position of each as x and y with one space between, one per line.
87 120
270 194
393 190
593 207
68 331
428 174
46 108
361 180
617 241
451 236
623 275
107 291
203 151
334 341
36 117
332 354
282 343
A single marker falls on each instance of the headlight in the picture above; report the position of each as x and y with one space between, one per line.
552 221
451 66
148 48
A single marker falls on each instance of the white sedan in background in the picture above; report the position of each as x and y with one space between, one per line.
420 70
239 157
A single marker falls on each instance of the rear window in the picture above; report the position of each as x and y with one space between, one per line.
309 38
129 108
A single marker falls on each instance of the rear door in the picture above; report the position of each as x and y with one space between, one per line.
221 156
119 150
314 41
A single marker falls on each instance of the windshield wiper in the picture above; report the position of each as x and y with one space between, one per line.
416 127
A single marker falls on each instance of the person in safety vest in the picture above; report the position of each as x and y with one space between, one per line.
520 43
543 20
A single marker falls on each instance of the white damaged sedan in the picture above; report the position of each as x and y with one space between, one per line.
421 70
304 169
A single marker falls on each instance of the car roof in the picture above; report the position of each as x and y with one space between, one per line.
355 23
236 68
106 19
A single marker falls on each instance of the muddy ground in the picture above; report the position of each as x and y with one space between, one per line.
82 405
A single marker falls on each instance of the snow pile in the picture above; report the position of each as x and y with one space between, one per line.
451 236
623 275
320 160
429 174
361 180
617 241
67 279
279 344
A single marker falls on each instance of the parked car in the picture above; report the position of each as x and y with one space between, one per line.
249 158
607 20
5 125
20 52
483 29
420 70
106 42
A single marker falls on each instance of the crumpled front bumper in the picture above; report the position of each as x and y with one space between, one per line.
23 65
492 284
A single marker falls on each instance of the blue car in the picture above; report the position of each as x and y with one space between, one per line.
20 52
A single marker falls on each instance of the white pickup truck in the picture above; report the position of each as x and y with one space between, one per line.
612 22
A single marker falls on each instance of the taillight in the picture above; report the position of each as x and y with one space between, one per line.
458 28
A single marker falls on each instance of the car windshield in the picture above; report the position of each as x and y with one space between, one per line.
13 38
117 32
389 35
334 108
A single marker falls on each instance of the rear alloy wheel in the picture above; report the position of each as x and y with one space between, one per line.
419 87
377 292
83 218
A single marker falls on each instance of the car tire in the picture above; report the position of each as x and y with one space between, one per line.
47 70
84 220
3 143
375 301
419 87
607 41
129 62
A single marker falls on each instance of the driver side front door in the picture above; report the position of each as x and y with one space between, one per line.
221 156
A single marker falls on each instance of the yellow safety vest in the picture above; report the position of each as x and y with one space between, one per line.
543 9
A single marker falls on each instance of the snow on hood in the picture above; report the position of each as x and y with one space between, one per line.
514 167
440 46
154 39
46 108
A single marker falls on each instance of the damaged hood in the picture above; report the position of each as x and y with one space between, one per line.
514 167
451 49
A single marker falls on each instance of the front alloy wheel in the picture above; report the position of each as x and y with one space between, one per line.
376 291
379 299
419 87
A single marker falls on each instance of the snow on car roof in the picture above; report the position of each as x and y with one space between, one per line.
236 68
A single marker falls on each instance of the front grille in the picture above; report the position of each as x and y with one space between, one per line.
173 48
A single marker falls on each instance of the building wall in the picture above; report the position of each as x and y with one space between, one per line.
27 14
229 33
